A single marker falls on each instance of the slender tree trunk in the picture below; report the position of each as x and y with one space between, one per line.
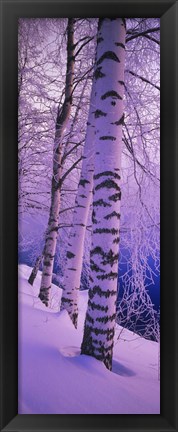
38 261
35 269
73 269
61 122
109 85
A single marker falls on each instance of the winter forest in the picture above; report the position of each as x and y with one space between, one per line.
89 215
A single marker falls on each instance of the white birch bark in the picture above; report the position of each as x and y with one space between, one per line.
72 275
39 259
109 87
61 122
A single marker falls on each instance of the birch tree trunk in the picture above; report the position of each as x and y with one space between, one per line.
66 152
72 275
99 326
35 269
61 122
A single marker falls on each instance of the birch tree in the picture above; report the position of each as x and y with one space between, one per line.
140 29
140 159
68 150
72 275
61 121
109 88
68 145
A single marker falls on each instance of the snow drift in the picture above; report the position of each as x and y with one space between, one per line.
55 379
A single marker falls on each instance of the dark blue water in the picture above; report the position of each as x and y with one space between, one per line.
153 289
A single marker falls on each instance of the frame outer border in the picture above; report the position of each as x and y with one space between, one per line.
167 420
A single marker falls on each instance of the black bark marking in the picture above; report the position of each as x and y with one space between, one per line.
107 174
110 258
88 348
120 44
110 276
121 83
101 202
107 332
116 240
111 215
97 251
115 197
55 229
83 182
109 138
74 318
97 290
52 219
107 257
111 93
108 55
89 318
119 122
94 267
123 22
94 220
104 349
35 270
66 300
98 113
70 255
112 231
99 39
47 264
100 23
95 306
98 73
44 295
109 184
49 255
105 319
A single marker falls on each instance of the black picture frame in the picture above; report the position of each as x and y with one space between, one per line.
168 13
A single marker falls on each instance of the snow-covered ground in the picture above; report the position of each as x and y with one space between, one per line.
55 379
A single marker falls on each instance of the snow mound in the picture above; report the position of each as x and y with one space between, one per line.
55 379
